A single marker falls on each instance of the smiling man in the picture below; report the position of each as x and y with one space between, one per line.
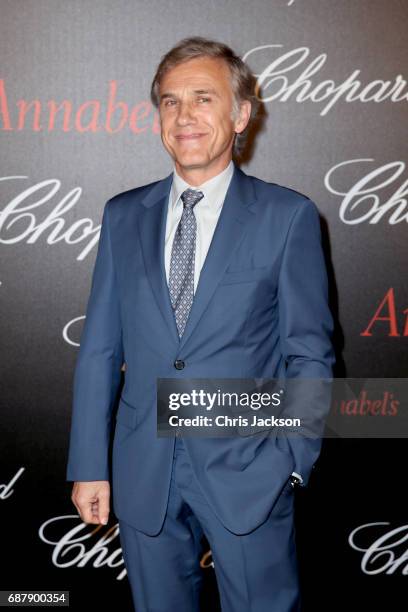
196 106
207 273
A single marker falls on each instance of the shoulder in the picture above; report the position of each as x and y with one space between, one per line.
282 199
133 195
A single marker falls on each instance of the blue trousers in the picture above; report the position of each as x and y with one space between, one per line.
255 572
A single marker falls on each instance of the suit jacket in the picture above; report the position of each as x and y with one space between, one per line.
260 311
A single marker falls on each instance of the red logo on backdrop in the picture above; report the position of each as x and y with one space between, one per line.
88 117
387 314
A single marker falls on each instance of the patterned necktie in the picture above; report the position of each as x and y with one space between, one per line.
181 276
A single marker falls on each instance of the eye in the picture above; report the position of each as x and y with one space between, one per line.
168 102
205 99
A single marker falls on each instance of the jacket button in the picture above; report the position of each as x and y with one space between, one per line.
179 364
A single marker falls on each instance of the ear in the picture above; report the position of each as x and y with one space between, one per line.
244 115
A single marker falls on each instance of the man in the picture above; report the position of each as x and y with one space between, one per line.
208 273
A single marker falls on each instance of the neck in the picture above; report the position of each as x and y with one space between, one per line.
196 176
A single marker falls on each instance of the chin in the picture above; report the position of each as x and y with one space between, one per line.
191 160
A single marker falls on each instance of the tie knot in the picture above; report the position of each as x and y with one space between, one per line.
190 197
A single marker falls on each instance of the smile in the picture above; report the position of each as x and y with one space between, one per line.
190 137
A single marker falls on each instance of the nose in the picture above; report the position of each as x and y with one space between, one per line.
185 114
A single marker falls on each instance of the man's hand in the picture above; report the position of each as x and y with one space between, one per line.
91 499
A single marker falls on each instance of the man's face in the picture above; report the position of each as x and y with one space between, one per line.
196 102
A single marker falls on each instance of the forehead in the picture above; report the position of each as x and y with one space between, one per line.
200 71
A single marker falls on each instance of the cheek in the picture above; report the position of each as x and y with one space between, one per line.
218 125
167 137
222 122
224 130
165 125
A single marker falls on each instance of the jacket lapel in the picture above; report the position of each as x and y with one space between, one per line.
235 214
152 230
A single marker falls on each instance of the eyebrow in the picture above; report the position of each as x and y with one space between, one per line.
169 94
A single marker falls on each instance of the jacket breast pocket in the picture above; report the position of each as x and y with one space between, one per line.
244 276
127 414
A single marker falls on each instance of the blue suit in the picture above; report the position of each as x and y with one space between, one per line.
260 311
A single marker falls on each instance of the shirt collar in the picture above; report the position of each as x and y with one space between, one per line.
214 189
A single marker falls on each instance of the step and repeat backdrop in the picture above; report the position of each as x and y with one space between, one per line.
77 127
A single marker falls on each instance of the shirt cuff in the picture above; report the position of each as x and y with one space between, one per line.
298 476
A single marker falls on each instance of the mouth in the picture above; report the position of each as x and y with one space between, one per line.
189 136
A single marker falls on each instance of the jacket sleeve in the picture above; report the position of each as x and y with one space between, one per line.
98 369
305 325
